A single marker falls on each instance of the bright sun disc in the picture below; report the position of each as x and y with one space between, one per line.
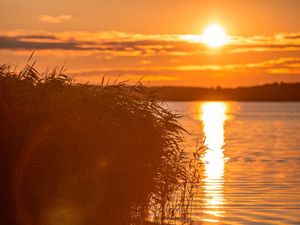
214 36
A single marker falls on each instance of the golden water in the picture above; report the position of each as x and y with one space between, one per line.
251 170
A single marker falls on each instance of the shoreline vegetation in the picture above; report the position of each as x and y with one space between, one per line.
75 154
281 92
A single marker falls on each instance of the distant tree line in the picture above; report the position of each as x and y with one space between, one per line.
267 92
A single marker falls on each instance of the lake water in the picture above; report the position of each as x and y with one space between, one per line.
251 171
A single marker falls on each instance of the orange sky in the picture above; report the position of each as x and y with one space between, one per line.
137 39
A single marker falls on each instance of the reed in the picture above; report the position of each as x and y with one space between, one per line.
79 154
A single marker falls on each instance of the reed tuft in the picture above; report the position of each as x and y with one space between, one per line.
79 154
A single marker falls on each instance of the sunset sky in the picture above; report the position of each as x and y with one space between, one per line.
159 40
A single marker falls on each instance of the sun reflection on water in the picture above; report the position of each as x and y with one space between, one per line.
213 116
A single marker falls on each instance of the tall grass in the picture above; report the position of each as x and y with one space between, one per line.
79 154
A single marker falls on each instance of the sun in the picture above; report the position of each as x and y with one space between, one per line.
214 36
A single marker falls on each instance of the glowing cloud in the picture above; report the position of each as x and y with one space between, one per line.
54 19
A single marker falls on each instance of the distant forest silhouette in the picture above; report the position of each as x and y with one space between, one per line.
266 92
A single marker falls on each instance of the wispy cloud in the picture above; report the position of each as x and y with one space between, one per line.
128 44
290 66
161 57
32 44
275 66
54 19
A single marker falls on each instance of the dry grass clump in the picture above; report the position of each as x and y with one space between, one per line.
78 154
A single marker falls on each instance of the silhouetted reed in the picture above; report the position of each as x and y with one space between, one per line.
80 154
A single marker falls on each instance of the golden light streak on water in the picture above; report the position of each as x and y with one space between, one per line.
213 116
254 177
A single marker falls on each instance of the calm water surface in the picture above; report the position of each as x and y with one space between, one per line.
251 172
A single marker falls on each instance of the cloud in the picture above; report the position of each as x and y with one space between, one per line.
127 44
54 19
129 53
287 66
37 37
114 48
290 66
289 35
14 43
